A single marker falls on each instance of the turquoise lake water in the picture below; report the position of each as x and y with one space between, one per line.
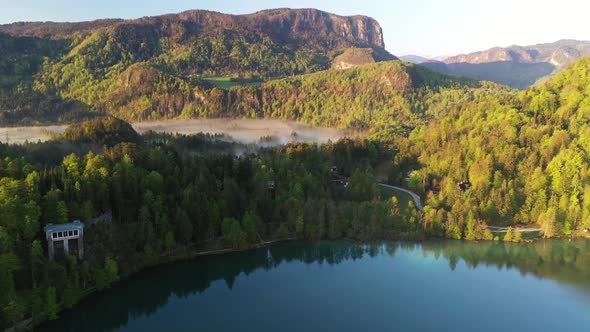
340 286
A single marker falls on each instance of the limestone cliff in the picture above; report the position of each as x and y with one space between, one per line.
304 25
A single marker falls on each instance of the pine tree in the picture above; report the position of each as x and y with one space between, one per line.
548 222
250 223
509 236
111 270
234 235
517 236
37 303
299 226
37 262
51 304
470 233
61 213
169 242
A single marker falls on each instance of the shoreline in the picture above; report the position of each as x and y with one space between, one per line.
30 323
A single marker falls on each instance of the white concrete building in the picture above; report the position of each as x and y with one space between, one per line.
65 236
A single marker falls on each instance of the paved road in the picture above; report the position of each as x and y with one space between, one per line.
505 229
419 206
415 196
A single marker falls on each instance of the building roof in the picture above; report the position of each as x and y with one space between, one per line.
64 227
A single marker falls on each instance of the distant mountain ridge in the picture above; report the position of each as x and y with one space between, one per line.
269 43
516 66
560 53
49 70
312 25
416 59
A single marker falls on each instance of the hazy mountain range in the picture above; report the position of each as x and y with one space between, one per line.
515 66
417 59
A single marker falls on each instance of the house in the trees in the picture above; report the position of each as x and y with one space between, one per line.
270 185
464 185
436 189
65 239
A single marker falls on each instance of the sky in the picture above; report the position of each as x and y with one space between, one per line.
422 27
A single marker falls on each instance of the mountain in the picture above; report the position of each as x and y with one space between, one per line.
414 58
387 98
317 28
516 66
559 54
269 43
391 93
49 71
514 74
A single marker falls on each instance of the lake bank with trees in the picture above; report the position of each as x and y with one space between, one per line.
143 197
372 285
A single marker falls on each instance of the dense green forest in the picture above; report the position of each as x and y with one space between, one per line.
525 155
144 199
388 95
526 158
157 67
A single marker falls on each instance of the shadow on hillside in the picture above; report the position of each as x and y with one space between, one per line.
514 74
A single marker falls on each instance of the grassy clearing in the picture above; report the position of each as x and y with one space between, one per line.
403 198
226 82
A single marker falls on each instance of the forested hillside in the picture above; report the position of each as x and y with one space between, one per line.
385 94
524 154
526 158
147 199
387 98
83 64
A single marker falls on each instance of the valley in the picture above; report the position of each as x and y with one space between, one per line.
245 131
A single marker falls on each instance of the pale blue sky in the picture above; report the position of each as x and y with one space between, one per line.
424 27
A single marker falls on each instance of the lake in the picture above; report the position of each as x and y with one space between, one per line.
341 286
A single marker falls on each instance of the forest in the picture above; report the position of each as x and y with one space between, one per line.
144 199
527 159
67 72
525 156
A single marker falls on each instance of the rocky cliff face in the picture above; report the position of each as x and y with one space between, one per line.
316 27
293 24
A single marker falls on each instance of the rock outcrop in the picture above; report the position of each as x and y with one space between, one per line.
560 54
310 25
353 57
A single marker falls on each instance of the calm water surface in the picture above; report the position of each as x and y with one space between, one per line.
338 286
